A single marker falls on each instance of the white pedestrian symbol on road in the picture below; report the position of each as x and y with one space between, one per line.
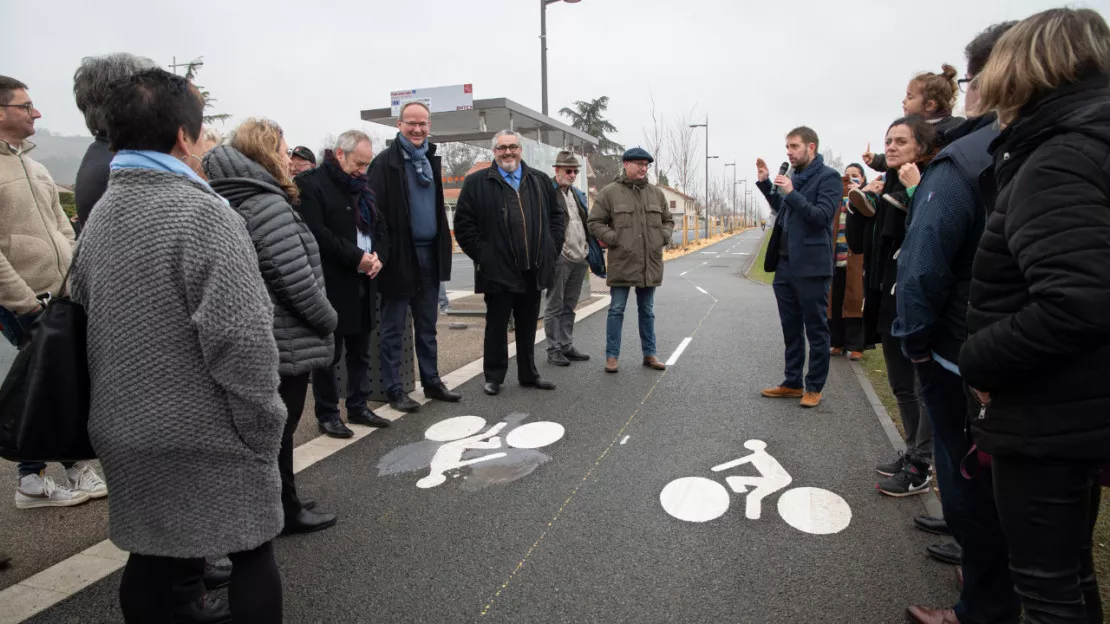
463 441
812 510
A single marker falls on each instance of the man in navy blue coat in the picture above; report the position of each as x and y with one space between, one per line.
804 205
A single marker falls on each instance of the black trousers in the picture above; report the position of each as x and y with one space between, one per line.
844 333
254 594
1048 510
525 310
292 390
325 385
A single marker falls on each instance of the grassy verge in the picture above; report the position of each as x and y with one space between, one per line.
875 367
757 272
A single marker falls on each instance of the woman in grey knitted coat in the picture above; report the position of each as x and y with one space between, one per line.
252 174
185 414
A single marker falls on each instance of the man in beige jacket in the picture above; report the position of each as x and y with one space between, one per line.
36 248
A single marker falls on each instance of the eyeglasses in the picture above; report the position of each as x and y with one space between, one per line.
507 148
26 106
416 124
570 171
963 84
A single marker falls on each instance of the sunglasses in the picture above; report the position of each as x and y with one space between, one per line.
570 171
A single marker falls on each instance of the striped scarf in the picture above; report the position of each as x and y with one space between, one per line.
841 235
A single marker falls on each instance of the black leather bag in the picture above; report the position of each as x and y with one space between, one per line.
44 400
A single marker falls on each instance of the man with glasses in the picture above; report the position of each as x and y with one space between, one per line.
631 217
508 220
408 185
570 268
36 248
301 159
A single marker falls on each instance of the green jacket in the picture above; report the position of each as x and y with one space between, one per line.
632 219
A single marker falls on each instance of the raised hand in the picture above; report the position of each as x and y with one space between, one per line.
761 170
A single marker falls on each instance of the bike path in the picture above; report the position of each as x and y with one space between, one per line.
583 536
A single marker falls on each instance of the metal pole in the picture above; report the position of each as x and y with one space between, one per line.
707 176
543 52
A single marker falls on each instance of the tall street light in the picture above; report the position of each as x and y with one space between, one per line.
543 44
707 157
733 165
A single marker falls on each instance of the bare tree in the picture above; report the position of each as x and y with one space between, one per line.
682 145
458 158
328 143
655 141
833 160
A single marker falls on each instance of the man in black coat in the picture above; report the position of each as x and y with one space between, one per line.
408 187
510 223
338 207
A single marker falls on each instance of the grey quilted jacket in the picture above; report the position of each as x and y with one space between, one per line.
287 255
185 416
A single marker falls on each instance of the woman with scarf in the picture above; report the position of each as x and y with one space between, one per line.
252 174
1038 351
846 295
340 211
911 143
185 414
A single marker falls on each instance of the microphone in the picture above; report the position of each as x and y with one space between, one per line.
783 168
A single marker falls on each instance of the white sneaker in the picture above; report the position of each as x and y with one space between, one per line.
82 478
37 491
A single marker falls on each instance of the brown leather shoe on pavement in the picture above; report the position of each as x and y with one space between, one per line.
811 399
925 615
653 362
782 392
836 351
855 356
611 365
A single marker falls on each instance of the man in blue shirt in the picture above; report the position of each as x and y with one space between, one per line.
804 206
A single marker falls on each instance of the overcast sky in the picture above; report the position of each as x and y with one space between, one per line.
756 69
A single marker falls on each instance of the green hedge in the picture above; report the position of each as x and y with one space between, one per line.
69 203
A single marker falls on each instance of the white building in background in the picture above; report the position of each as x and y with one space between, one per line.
679 204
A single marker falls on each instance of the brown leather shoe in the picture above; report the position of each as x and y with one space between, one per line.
811 399
925 615
611 365
836 351
855 356
782 392
653 362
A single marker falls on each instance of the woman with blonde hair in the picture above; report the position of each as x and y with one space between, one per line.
252 172
1038 355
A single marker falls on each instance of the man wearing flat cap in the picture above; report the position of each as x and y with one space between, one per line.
570 267
631 217
300 159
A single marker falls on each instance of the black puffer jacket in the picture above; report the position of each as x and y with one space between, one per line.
1039 314
287 256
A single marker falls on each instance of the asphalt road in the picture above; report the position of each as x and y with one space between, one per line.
575 531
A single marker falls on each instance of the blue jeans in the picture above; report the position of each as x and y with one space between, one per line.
645 304
425 312
968 504
803 304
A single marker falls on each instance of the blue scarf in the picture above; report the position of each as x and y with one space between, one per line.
356 185
157 161
419 158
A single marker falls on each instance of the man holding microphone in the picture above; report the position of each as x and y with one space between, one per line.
802 260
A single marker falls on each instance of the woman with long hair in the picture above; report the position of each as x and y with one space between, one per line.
911 143
185 414
846 294
252 173
1038 355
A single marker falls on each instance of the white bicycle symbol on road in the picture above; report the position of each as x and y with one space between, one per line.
808 509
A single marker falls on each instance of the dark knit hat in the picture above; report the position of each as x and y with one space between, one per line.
637 153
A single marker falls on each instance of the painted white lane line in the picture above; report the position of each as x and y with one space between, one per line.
625 439
683 273
677 352
703 291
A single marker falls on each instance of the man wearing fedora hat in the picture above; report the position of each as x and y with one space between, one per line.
631 217
570 267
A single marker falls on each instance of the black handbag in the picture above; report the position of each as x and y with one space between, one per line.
44 400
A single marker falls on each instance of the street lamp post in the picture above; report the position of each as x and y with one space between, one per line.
543 46
707 157
733 165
